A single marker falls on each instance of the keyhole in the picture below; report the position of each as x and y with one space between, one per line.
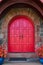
21 36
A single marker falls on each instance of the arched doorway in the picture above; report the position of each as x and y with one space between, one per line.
21 35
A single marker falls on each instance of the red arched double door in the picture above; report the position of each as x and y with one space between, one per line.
21 35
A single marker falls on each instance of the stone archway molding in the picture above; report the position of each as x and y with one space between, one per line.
31 3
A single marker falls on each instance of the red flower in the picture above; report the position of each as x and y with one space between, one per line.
39 51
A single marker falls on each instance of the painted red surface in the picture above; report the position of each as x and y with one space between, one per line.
21 35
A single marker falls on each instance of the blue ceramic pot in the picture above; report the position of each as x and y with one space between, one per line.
41 60
1 61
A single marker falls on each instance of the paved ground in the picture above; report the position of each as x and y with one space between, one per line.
32 63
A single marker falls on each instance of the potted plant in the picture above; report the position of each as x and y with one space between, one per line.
3 52
2 55
40 53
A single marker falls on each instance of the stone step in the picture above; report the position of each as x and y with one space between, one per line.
30 63
25 55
